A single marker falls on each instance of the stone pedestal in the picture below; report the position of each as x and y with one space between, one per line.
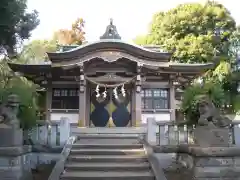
209 136
198 163
216 163
12 137
14 157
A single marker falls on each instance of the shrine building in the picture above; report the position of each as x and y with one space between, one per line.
110 83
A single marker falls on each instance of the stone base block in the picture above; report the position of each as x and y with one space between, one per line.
15 163
206 136
15 173
12 137
216 163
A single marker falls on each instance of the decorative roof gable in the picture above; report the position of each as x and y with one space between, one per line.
111 32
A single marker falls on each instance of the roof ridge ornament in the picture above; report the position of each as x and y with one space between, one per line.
111 32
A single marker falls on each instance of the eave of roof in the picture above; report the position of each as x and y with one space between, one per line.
190 67
133 49
30 68
170 67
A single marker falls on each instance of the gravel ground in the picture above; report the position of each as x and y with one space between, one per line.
42 172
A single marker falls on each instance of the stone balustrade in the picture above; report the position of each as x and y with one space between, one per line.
169 133
51 134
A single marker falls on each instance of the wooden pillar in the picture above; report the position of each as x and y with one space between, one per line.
133 106
48 102
138 99
172 100
48 85
88 105
82 99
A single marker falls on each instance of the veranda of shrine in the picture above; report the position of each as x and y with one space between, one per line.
111 83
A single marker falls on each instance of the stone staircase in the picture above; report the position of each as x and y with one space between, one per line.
107 157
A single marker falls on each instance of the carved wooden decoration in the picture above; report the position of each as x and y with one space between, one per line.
109 77
110 56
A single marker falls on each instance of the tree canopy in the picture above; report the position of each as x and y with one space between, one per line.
75 35
16 24
194 32
189 30
35 51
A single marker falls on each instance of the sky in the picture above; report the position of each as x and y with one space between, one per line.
131 17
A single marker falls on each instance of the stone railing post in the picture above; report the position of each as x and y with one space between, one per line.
151 131
64 130
49 134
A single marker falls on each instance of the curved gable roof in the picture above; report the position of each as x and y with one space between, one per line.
108 44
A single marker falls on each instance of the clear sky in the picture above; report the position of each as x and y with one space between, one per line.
131 17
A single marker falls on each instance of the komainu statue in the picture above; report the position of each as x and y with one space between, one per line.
8 112
210 115
212 128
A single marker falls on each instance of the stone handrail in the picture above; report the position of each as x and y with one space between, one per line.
153 160
59 167
161 123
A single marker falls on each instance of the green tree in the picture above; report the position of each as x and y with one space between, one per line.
36 50
189 30
234 43
16 24
193 32
141 40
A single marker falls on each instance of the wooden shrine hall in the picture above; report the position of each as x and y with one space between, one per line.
110 83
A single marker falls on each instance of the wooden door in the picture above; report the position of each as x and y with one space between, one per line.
110 112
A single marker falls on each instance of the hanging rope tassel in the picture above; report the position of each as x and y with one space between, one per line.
123 91
115 93
105 93
97 91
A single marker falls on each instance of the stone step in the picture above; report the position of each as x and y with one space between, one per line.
107 152
109 141
107 130
102 175
78 145
108 136
107 166
107 158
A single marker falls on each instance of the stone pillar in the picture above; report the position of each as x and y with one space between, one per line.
172 102
138 99
82 99
151 131
64 130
